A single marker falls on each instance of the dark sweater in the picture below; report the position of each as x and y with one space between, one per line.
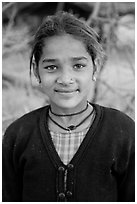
102 170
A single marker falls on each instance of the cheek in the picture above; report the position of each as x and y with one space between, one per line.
87 84
87 80
47 82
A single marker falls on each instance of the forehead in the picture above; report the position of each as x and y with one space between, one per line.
64 45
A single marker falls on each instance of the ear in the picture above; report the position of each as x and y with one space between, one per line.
96 68
35 71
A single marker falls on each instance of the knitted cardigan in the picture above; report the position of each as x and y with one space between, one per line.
102 170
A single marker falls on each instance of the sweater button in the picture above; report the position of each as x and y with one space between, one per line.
61 168
61 195
69 193
70 166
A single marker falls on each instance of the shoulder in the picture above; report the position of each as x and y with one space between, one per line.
29 119
24 125
117 116
116 120
113 114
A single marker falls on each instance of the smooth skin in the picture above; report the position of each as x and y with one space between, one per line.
66 73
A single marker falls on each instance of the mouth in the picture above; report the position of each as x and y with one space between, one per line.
63 91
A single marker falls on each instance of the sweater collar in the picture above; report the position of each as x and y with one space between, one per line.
46 137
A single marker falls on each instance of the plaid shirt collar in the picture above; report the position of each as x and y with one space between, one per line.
67 144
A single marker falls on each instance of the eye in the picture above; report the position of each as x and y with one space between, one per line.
51 68
79 66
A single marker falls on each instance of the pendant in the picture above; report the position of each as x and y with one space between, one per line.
72 127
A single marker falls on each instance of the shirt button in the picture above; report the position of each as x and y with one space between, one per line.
70 166
61 168
69 193
61 195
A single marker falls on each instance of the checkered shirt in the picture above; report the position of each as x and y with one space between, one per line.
67 144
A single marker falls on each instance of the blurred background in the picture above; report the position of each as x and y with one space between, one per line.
113 21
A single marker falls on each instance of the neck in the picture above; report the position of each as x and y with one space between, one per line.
68 111
70 114
72 119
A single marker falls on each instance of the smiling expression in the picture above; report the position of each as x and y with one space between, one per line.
66 71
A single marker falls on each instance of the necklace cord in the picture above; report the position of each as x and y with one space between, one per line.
71 127
61 115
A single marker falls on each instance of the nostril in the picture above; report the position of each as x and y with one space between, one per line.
65 81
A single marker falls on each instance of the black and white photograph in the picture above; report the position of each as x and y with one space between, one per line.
68 101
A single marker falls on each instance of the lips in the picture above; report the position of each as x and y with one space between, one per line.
66 90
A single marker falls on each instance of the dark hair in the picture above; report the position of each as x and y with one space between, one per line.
66 23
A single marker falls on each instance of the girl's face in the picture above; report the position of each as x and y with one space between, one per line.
66 71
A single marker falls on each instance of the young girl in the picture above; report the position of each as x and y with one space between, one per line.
70 150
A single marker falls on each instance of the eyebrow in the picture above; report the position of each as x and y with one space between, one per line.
73 59
49 60
79 58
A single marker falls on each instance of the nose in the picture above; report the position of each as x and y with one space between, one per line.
66 78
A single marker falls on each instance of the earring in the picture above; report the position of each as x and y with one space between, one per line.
38 80
94 78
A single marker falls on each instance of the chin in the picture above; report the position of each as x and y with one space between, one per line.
69 104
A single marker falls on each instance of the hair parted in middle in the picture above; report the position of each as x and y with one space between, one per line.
66 23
